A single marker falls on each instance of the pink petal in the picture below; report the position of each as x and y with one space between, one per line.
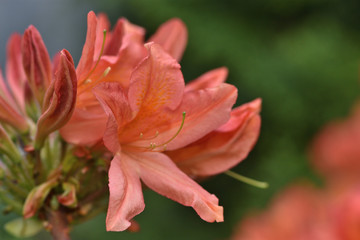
206 110
116 106
103 23
157 82
160 174
114 44
133 33
126 198
172 36
114 102
210 79
15 74
85 127
223 148
156 88
87 55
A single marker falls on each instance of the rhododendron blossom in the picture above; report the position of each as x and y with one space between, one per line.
121 118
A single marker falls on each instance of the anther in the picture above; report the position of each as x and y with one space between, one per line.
153 145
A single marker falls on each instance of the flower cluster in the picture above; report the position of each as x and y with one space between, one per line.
304 212
123 114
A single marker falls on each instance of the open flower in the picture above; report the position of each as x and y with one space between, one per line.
112 57
148 118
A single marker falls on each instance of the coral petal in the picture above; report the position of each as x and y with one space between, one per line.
172 36
160 174
126 198
210 79
223 148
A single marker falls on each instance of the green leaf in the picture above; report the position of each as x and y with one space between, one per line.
23 228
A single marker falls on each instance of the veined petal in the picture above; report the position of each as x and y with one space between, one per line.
114 102
117 107
160 174
210 79
60 98
36 62
126 198
15 74
223 148
206 110
157 83
172 36
87 56
156 88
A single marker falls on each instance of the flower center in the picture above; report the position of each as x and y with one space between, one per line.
155 147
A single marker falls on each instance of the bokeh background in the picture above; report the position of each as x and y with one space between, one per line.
301 57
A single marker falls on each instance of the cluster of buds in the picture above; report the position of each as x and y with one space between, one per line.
123 116
40 172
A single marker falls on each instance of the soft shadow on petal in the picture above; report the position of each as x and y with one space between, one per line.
160 174
126 198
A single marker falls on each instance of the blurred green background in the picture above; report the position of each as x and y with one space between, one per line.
301 57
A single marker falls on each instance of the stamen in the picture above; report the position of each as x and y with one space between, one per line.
153 145
88 81
141 135
98 60
247 180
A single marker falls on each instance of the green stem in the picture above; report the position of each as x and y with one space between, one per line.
247 180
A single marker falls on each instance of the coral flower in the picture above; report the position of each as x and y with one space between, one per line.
335 151
112 57
152 115
298 213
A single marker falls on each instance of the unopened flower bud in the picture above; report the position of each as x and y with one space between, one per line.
36 61
36 197
68 198
60 99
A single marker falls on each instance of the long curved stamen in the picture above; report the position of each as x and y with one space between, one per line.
91 84
153 145
98 60
247 180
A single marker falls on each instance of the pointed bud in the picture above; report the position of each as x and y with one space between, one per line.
15 74
36 197
36 61
68 198
60 99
